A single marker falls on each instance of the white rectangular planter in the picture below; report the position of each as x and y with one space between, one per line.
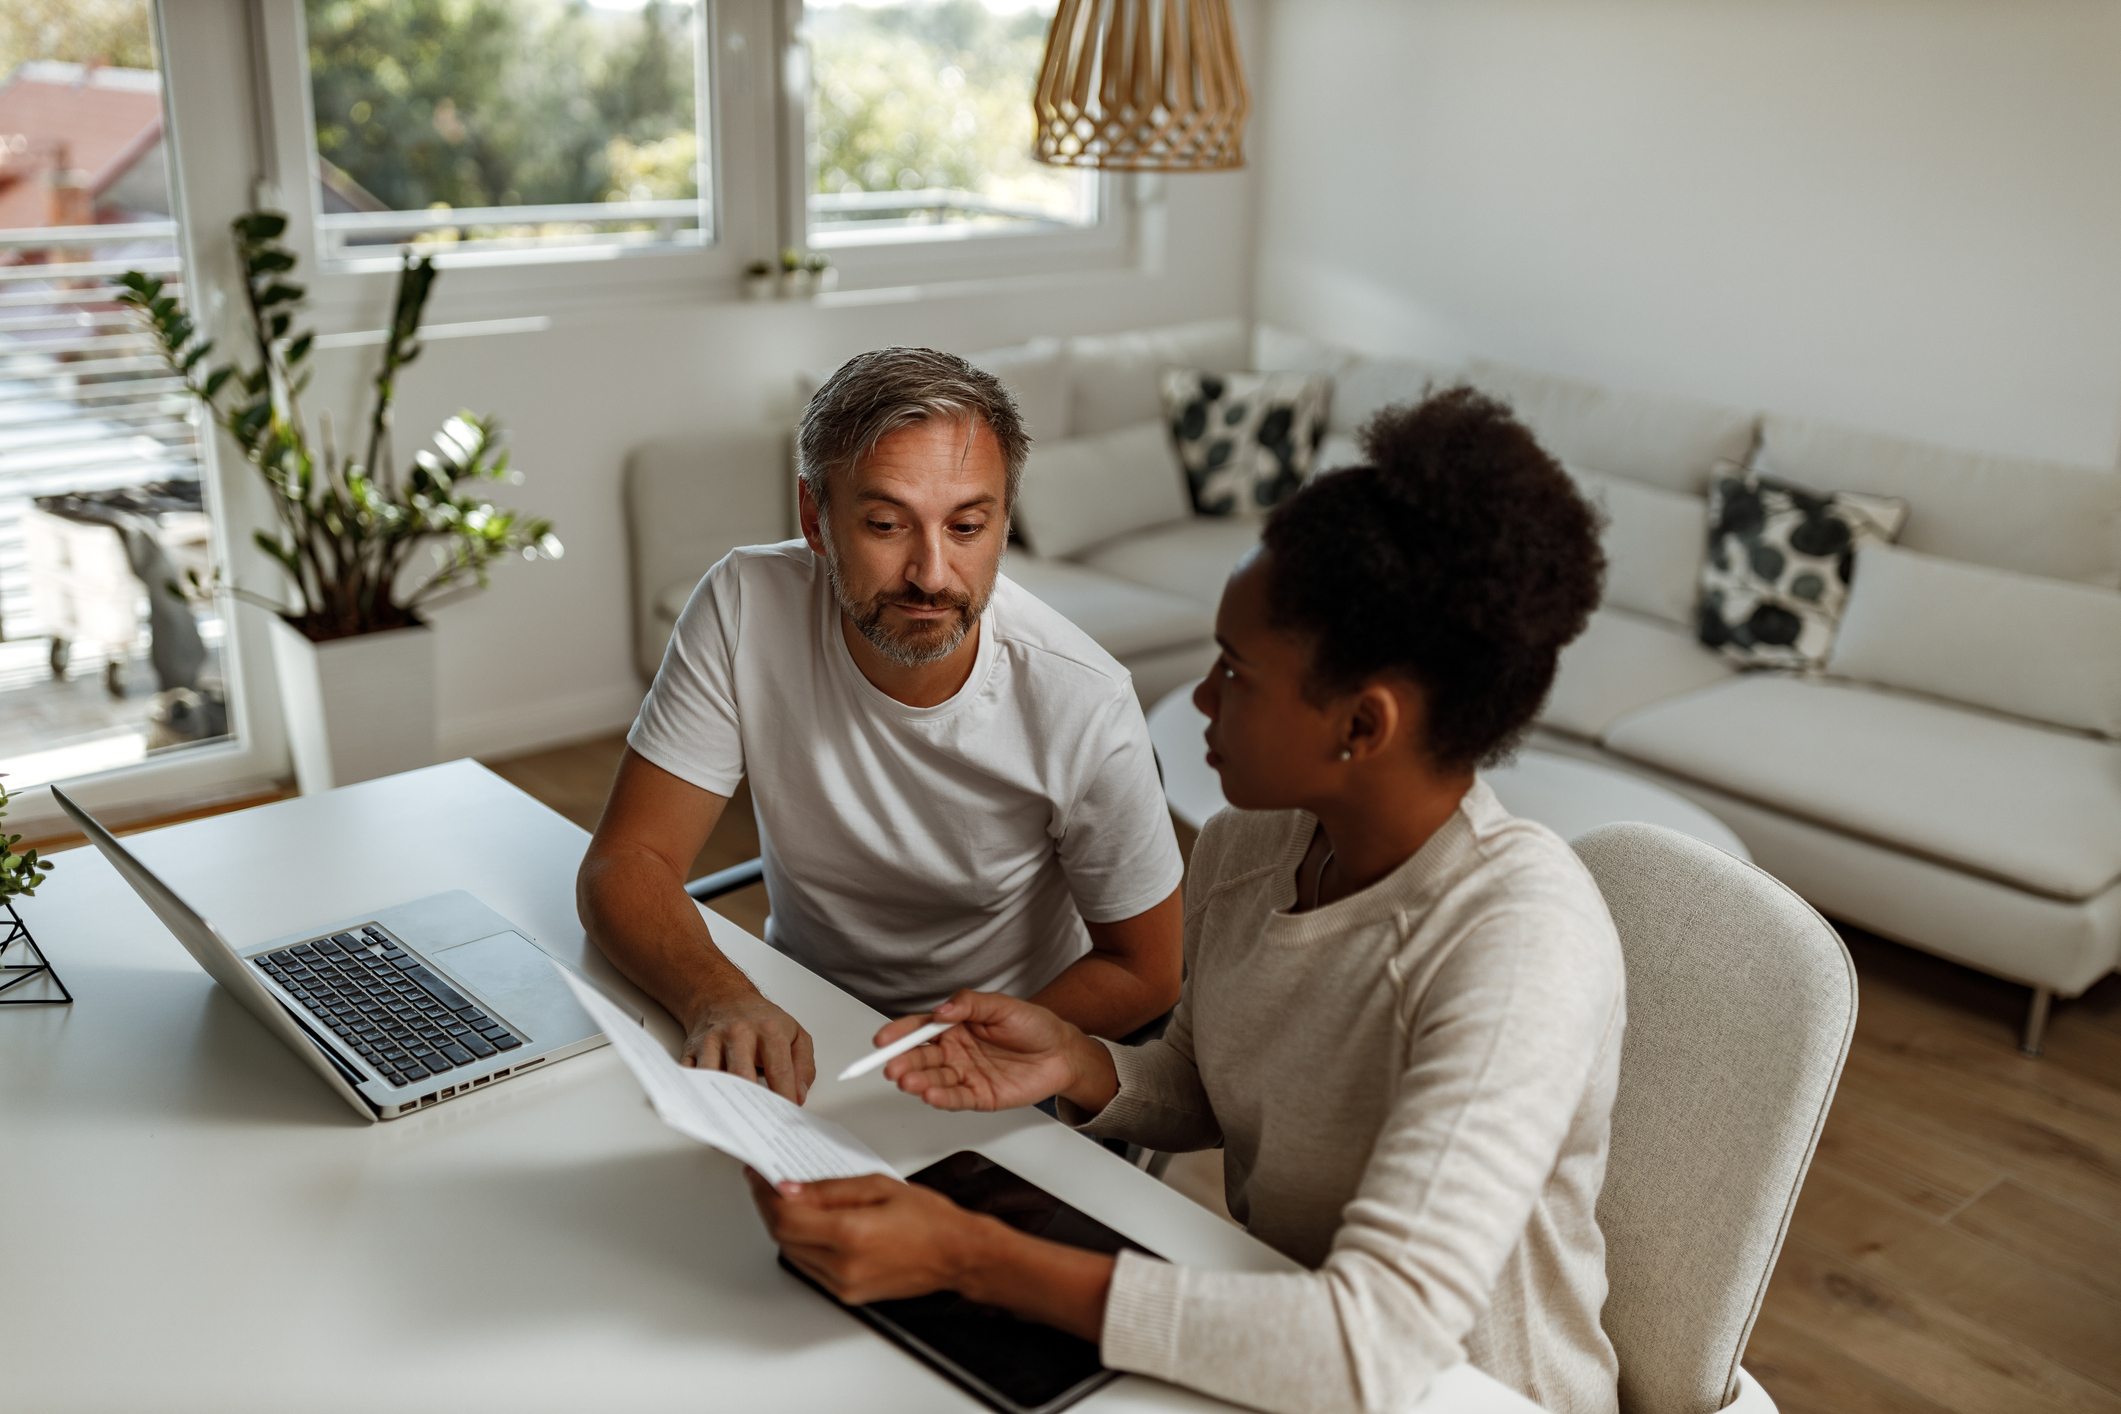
359 707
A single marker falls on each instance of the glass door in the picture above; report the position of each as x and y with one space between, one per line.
105 662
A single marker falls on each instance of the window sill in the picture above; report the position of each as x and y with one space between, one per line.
918 292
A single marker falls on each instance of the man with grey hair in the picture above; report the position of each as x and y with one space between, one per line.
953 783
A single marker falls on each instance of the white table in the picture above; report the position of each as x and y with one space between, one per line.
1566 795
193 1222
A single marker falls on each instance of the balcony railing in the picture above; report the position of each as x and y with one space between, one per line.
840 219
85 403
516 227
935 203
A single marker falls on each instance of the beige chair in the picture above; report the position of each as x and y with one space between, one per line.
690 501
1741 1001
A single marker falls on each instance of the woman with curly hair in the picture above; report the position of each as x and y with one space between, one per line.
1403 1019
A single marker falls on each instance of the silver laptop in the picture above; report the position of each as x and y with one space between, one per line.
397 1010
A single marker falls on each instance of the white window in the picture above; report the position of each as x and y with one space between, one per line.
495 127
919 132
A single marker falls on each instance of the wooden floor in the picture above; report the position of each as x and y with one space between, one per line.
1958 1243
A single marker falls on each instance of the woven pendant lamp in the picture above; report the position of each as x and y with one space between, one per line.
1142 86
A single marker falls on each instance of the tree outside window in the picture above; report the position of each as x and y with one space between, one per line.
447 106
920 117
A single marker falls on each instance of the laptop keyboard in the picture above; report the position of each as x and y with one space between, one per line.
396 1013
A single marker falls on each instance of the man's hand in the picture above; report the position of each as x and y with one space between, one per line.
631 896
1003 1053
871 1238
748 1035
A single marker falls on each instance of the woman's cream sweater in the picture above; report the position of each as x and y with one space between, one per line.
1412 1089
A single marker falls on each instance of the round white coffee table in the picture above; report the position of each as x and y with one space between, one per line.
1567 796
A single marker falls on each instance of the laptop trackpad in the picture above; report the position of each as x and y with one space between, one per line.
513 977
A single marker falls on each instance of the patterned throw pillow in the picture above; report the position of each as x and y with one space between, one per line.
1245 439
1778 567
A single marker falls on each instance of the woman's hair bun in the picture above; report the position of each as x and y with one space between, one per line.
1459 555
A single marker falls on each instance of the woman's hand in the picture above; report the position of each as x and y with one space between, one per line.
876 1239
871 1238
1003 1053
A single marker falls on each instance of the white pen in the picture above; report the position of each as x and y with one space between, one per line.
876 1059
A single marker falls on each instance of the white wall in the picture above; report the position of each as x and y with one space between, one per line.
546 654
1904 214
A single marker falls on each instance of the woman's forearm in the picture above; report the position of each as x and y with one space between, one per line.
1039 1280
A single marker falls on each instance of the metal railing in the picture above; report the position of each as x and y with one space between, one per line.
934 202
536 224
85 402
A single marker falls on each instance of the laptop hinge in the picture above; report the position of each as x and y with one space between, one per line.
354 1079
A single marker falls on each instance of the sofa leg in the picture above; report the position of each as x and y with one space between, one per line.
2036 1020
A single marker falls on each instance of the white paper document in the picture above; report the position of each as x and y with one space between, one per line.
742 1118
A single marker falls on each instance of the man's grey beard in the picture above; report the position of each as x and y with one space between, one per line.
906 650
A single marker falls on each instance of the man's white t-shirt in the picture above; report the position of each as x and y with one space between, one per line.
911 851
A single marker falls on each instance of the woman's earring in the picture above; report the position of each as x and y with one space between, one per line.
1346 754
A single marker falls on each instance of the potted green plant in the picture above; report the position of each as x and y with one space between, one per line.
367 551
823 277
797 282
21 962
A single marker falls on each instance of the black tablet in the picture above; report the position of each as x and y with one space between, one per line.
1014 1365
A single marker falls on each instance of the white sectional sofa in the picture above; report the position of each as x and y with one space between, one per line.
1955 784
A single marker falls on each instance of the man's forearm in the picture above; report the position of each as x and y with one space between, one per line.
1107 996
638 913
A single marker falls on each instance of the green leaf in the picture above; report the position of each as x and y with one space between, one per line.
261 225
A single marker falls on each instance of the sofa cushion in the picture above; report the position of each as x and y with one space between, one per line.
1113 377
1279 350
1362 383
1190 559
2009 513
1084 491
1337 451
1124 618
2042 648
1036 375
1624 661
1368 383
1676 443
1653 539
1245 439
1778 567
672 601
2024 804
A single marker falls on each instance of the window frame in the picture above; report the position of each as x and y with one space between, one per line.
1110 243
348 294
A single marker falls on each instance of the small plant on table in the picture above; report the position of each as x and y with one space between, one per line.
21 871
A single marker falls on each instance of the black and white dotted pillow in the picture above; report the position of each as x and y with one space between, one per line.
1246 440
1778 566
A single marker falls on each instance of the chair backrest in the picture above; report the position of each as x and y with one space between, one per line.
1741 1001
